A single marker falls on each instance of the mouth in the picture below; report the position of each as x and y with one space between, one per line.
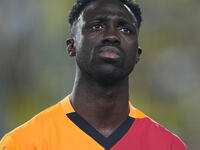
109 52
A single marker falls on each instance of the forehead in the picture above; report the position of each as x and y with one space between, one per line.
106 8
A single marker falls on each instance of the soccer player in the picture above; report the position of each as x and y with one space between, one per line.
97 114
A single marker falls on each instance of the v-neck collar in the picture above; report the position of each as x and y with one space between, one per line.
106 142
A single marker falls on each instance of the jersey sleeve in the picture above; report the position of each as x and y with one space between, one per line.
9 143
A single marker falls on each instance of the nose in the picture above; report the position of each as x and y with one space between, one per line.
111 37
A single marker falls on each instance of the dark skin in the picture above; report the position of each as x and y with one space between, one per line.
105 44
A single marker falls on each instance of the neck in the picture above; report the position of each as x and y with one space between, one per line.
104 107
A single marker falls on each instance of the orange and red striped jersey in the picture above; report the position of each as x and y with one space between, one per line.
61 128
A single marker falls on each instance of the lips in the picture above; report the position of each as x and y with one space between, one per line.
109 52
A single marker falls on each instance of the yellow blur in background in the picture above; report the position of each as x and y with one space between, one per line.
36 72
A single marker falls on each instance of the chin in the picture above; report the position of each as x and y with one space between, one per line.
109 77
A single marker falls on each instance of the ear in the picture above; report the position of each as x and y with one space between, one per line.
70 47
139 52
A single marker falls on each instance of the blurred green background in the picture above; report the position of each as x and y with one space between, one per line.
36 72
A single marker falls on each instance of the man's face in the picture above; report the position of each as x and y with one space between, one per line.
106 40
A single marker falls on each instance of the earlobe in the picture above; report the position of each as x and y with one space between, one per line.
139 52
70 47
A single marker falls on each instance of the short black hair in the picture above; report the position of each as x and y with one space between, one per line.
80 5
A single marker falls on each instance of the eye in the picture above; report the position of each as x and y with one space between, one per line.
96 27
125 30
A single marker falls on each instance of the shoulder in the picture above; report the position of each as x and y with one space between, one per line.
8 143
153 132
157 135
34 130
38 121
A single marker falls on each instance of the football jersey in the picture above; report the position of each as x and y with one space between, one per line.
60 127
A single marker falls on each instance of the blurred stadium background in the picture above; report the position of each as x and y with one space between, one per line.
36 72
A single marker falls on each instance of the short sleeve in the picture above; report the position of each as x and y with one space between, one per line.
8 143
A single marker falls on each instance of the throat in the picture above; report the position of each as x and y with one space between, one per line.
103 115
105 108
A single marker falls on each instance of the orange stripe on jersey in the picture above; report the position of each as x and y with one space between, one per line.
135 113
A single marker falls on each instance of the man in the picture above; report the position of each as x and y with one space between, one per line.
97 114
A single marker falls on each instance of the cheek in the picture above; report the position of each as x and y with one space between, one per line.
131 45
90 42
132 40
94 37
84 52
129 39
78 40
